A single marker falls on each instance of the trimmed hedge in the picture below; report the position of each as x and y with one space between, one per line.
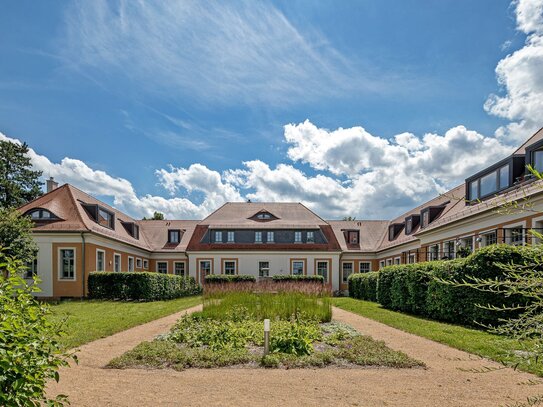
140 286
364 285
224 278
289 277
416 289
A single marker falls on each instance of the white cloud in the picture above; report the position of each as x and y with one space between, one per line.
521 76
214 51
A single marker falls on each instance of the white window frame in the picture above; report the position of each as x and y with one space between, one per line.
483 235
157 266
231 237
258 237
145 264
176 232
310 237
389 262
120 262
59 274
412 256
263 268
327 276
343 263
360 266
397 261
218 236
297 237
304 265
224 261
139 263
133 264
184 263
103 260
269 235
381 264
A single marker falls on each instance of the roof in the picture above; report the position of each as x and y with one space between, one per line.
371 233
155 232
238 215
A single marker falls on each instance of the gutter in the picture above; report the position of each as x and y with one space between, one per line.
84 262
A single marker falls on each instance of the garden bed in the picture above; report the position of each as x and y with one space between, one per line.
229 332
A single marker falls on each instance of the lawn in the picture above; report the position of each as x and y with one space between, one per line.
478 342
86 321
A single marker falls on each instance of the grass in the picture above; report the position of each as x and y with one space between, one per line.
86 321
478 342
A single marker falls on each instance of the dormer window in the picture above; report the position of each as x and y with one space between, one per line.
310 237
394 230
230 236
537 158
174 236
431 213
297 237
258 237
218 236
263 216
106 218
132 229
41 215
492 180
425 218
411 222
352 236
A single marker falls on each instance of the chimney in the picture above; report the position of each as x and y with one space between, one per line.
51 184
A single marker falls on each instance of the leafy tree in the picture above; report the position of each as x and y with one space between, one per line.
156 216
18 182
30 353
349 218
16 235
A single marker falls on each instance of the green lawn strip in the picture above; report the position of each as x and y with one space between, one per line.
90 320
471 340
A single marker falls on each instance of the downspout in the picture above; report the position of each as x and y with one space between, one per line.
83 268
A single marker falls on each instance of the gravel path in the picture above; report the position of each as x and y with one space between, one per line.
444 383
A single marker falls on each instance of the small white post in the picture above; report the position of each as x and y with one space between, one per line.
266 336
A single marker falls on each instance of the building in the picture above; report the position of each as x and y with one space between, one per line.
77 234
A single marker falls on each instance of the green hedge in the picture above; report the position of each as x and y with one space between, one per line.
364 285
141 286
417 289
223 278
288 277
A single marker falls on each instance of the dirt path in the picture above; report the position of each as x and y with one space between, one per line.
442 384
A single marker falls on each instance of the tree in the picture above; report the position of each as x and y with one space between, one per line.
30 351
18 182
156 216
16 235
349 218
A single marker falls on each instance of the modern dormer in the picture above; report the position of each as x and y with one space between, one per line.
394 230
431 213
100 215
534 156
411 223
495 179
132 229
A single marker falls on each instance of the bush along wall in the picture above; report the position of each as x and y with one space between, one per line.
140 286
224 278
418 289
288 277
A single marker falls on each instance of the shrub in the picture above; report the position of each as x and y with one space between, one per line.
223 278
363 286
142 286
30 353
288 277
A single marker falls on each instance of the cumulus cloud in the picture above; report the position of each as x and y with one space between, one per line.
521 76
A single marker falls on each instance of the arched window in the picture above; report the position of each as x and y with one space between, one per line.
41 214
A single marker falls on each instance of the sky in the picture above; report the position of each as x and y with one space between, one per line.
354 108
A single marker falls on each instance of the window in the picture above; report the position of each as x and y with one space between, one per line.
116 262
106 218
145 264
538 160
389 262
100 260
489 183
433 252
322 269
258 237
31 269
174 236
504 177
412 258
448 249
179 268
67 264
408 225
364 267
425 218
297 267
310 237
473 190
397 260
489 238
41 214
516 235
231 237
229 267
270 237
138 263
467 242
136 233
346 271
205 269
353 237
297 237
263 268
162 267
381 264
130 264
263 216
218 237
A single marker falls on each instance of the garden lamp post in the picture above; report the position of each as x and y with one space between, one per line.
266 336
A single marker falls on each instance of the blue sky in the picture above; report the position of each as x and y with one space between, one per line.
180 106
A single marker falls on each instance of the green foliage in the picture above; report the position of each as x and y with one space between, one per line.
19 184
141 286
30 353
363 285
280 305
295 338
224 278
16 235
301 279
156 216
